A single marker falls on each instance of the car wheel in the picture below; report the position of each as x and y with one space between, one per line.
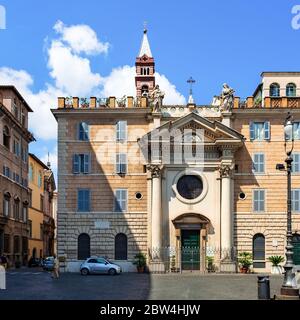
112 272
84 272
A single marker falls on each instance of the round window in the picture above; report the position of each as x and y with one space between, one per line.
138 196
190 186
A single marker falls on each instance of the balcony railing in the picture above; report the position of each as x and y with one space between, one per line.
268 102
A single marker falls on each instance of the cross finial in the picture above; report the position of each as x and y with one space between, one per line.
191 81
145 26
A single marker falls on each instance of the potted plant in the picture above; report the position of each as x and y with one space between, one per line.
210 264
276 260
140 262
173 263
245 261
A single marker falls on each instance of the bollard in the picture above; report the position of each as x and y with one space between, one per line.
2 278
263 283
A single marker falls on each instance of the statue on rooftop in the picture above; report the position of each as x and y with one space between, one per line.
227 97
156 97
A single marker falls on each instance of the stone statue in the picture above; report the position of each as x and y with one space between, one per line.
122 102
227 98
156 97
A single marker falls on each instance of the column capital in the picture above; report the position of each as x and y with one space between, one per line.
225 170
155 170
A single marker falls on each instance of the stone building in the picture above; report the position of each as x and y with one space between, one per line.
14 192
40 219
180 183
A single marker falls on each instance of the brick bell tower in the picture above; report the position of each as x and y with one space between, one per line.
145 69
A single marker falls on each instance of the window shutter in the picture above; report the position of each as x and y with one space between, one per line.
75 163
262 163
117 201
251 127
79 130
267 129
123 163
87 200
79 201
118 169
86 131
86 163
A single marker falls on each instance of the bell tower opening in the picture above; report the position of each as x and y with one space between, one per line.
145 69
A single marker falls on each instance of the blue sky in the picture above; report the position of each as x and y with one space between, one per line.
229 41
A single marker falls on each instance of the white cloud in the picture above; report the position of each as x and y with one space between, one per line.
71 72
121 81
73 76
41 120
81 38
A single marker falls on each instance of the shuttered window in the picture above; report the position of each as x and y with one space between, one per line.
81 163
84 250
121 163
259 163
258 200
120 200
260 130
296 200
83 200
121 246
121 129
296 162
83 131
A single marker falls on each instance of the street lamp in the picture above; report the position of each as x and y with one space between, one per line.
288 287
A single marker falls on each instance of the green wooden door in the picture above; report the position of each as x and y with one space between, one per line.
296 244
190 249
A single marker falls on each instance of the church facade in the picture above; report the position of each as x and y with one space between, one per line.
190 186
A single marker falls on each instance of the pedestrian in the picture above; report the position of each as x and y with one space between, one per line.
3 261
55 274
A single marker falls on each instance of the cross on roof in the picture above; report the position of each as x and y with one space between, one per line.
191 81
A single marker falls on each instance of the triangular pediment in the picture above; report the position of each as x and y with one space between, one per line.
210 131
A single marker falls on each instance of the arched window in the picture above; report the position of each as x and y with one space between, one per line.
31 172
296 249
274 90
40 179
145 90
6 137
148 71
6 204
121 246
16 208
84 250
291 90
259 251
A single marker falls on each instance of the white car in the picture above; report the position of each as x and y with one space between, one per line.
99 265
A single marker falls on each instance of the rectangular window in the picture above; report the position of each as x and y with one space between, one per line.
42 203
81 163
83 131
259 163
17 148
296 162
6 171
17 178
83 200
6 243
120 200
260 131
30 228
121 129
121 163
258 200
41 231
295 200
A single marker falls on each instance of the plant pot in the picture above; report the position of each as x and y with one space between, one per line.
140 269
244 269
276 270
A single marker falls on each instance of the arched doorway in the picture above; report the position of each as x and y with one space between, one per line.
191 231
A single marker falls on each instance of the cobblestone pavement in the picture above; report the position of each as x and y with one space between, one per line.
35 284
